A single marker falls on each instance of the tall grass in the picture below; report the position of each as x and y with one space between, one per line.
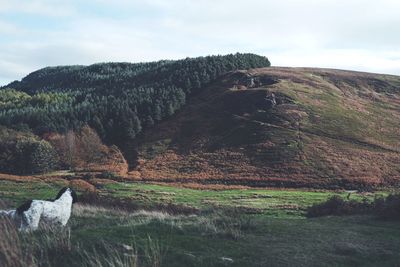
109 256
53 247
229 224
154 252
12 252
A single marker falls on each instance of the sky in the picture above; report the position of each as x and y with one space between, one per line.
359 35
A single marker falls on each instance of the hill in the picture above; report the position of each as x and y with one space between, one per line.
220 119
117 100
292 127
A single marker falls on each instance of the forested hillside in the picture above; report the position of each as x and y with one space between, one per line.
117 100
292 127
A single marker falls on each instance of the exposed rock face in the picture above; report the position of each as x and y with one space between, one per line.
270 100
254 81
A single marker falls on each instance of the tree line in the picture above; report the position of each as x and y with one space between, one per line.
118 100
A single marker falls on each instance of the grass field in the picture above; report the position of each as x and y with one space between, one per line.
246 227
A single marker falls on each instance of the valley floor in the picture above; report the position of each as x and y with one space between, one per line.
237 227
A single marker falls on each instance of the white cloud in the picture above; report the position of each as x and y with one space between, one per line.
9 28
362 60
53 8
357 34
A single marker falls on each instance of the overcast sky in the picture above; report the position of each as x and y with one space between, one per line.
352 34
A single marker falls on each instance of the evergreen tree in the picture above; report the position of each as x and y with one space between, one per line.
116 99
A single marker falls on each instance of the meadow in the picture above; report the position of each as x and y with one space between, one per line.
161 225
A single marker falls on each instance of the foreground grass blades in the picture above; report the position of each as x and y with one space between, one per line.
231 228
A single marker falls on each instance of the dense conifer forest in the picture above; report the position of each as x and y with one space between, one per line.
117 100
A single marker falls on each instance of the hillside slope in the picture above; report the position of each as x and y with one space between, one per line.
118 100
281 127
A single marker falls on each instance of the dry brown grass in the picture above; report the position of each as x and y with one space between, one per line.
294 152
12 253
81 185
28 178
211 145
100 182
18 178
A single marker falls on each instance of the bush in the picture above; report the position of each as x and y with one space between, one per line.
24 153
88 176
337 206
34 156
388 208
385 208
107 175
42 158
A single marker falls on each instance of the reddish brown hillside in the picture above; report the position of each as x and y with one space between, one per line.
282 127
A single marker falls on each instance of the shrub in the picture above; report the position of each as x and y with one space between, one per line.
24 153
82 185
337 206
88 176
388 208
107 175
42 158
385 208
34 156
78 148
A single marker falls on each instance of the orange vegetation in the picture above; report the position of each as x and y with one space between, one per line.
81 185
328 129
84 151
